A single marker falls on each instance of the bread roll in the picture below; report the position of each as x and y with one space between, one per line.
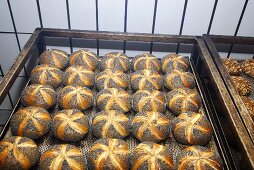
75 97
32 122
152 156
144 100
232 66
242 85
70 125
248 67
145 61
110 124
85 58
117 60
18 153
150 126
174 62
38 95
113 99
55 58
112 154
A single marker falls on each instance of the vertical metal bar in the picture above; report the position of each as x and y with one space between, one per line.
212 16
9 96
125 23
182 23
238 25
16 34
39 12
97 25
154 21
69 23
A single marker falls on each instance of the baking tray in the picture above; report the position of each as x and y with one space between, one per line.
202 67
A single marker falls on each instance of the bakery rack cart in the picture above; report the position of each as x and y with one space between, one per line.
233 141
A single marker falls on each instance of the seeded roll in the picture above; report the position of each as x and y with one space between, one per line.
183 100
111 78
145 61
18 153
85 58
32 122
62 156
55 58
174 62
191 128
112 154
79 75
242 85
232 66
144 100
248 67
198 157
146 80
110 124
117 60
151 156
249 103
47 75
38 95
178 79
114 99
75 97
150 126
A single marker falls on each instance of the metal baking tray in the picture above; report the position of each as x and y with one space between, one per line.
203 68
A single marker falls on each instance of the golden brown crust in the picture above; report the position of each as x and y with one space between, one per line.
248 67
62 156
109 154
145 61
110 124
242 85
86 58
113 99
55 58
232 66
198 157
174 62
18 153
249 103
151 156
150 126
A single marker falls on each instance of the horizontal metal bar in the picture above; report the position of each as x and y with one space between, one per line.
104 35
231 39
10 32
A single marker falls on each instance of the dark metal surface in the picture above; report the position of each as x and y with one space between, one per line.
205 68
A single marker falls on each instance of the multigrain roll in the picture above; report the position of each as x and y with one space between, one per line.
110 154
32 122
70 125
62 156
47 75
242 85
232 66
144 100
248 67
198 157
145 61
55 58
174 62
79 75
146 80
178 79
151 156
18 153
150 126
38 95
113 99
75 97
192 128
249 103
85 58
111 78
110 124
183 100
116 60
